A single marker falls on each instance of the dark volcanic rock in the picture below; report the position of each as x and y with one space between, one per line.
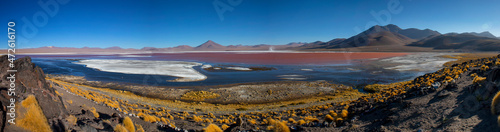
30 80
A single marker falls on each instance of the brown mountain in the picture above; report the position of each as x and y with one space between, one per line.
321 44
150 49
481 45
375 36
83 50
183 47
235 46
114 47
418 34
464 41
209 45
482 34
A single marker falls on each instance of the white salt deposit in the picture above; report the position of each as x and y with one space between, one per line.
239 68
206 66
292 77
419 62
183 70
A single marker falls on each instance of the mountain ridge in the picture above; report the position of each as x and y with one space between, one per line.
463 41
209 45
372 39
378 36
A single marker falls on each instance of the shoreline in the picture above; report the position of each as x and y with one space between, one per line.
229 93
243 51
193 73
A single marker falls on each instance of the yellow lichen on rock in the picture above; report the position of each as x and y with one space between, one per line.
301 122
129 125
150 118
196 118
120 128
279 126
33 118
139 128
329 118
94 111
344 114
478 79
60 94
224 126
494 102
212 128
199 95
71 120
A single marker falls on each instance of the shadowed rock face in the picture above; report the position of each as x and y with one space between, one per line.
418 34
482 34
30 80
464 41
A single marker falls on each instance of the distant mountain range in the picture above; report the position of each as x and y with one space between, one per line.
393 38
482 34
213 46
376 38
207 46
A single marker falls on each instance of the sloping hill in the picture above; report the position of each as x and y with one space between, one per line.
389 35
482 34
460 41
418 34
375 36
481 45
209 45
182 47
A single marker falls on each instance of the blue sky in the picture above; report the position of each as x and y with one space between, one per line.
167 23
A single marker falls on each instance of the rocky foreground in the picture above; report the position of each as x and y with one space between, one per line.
456 98
462 103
